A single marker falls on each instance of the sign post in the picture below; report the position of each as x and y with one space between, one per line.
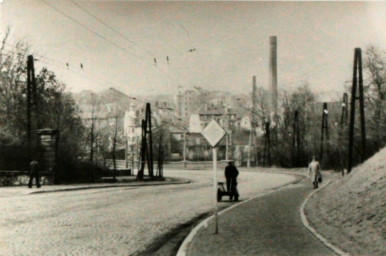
213 133
214 153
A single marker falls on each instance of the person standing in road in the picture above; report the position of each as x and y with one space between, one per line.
231 174
34 173
314 171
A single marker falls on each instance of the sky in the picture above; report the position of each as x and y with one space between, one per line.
116 42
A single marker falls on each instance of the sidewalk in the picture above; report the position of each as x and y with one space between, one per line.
125 181
268 225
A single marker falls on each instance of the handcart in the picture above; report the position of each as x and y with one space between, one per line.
221 191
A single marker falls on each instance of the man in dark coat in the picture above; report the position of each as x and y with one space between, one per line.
34 173
231 174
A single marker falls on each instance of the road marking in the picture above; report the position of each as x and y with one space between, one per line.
313 231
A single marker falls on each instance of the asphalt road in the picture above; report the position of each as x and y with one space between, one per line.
112 221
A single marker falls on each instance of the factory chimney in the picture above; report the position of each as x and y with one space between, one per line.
273 71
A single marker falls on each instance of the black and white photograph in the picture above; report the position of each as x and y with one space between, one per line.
192 128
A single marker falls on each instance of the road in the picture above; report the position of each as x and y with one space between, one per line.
112 221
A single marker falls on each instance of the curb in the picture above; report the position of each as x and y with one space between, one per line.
185 244
313 231
109 186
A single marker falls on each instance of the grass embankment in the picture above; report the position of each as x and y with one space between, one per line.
351 211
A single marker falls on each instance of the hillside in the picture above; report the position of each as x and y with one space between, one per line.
351 211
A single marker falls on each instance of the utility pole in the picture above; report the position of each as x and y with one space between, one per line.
226 147
184 149
148 122
295 139
357 79
249 149
344 115
226 136
324 131
254 116
146 148
140 173
341 127
31 103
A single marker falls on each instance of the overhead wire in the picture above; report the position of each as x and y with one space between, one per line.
91 30
123 36
159 67
133 42
71 69
111 28
84 75
35 54
64 66
90 78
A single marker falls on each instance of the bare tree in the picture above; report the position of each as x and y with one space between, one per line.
161 147
56 108
12 91
375 68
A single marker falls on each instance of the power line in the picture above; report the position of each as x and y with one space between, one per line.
94 81
99 35
83 75
110 27
123 36
167 73
65 66
91 30
35 54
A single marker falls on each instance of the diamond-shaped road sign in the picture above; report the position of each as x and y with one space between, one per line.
213 133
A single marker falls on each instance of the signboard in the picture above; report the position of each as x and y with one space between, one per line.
213 133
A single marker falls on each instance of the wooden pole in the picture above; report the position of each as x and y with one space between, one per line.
324 130
362 107
249 149
356 79
29 126
148 122
344 114
184 149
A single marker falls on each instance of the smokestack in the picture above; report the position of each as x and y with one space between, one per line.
273 71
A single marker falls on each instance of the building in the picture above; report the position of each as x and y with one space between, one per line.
222 114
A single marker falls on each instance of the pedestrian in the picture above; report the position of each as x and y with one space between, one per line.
314 171
231 174
34 173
